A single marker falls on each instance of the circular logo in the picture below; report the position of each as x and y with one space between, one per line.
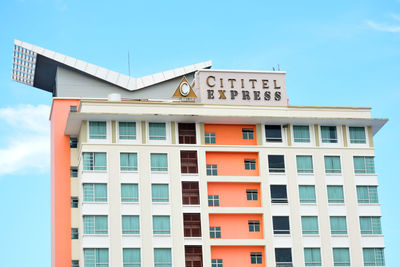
184 89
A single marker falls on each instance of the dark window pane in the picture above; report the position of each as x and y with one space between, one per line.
273 133
190 193
187 133
283 255
276 163
278 194
281 224
189 162
192 225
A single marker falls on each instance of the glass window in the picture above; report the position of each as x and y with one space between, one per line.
95 192
130 225
131 257
276 163
75 263
309 225
157 131
189 161
332 164
370 225
213 200
128 161
95 225
304 164
357 135
212 169
283 256
129 193
273 133
74 233
373 257
312 257
256 257
187 133
248 134
341 257
278 194
281 225
73 172
161 225
329 134
94 161
335 194
74 202
217 263
252 194
249 164
210 138
73 142
301 134
338 225
307 193
159 162
364 164
95 257
162 257
367 194
254 226
159 192
127 130
215 232
97 130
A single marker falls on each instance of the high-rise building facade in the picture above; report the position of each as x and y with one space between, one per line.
198 167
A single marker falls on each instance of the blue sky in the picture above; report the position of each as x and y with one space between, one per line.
336 53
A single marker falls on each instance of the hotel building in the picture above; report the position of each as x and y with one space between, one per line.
199 167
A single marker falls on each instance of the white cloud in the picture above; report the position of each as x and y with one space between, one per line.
385 27
25 141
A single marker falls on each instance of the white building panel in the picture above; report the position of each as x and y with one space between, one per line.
95 208
89 241
130 209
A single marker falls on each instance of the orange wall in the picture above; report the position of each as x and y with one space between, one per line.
236 226
230 134
237 256
60 185
232 163
234 194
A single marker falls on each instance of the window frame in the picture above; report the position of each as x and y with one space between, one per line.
278 141
256 258
160 169
168 191
97 264
333 171
360 201
95 198
210 138
133 168
161 232
211 169
310 232
247 133
341 263
310 132
129 140
250 194
250 164
132 232
335 201
284 232
339 232
276 170
138 264
305 171
214 199
276 200
215 232
305 200
366 144
365 170
95 230
98 140
92 159
124 199
158 141
217 263
254 226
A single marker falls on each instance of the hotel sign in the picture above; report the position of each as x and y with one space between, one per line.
241 87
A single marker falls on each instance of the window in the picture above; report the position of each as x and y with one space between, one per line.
307 193
329 134
73 142
367 194
129 193
97 130
74 233
335 194
273 133
94 161
161 225
193 256
364 164
301 134
95 192
332 164
96 257
74 202
357 135
256 257
213 200
312 257
212 169
191 225
74 172
338 225
187 133
75 263
130 225
159 162
95 225
249 164
128 161
215 232
252 194
131 257
370 225
281 225
373 257
210 138
276 163
341 257
162 257
189 162
157 131
127 130
254 226
190 193
248 134
283 257
73 109
159 192
309 225
217 263
304 164
278 194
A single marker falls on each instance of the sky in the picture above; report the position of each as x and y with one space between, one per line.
336 53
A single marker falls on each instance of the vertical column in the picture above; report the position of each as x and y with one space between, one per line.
259 134
344 130
289 135
202 139
114 132
316 131
370 137
143 132
173 133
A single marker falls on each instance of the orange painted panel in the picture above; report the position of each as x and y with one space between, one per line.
232 163
60 185
234 194
230 134
236 226
237 256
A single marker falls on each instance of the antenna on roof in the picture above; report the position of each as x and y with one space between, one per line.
129 64
279 67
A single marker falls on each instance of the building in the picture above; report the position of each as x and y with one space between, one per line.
199 167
